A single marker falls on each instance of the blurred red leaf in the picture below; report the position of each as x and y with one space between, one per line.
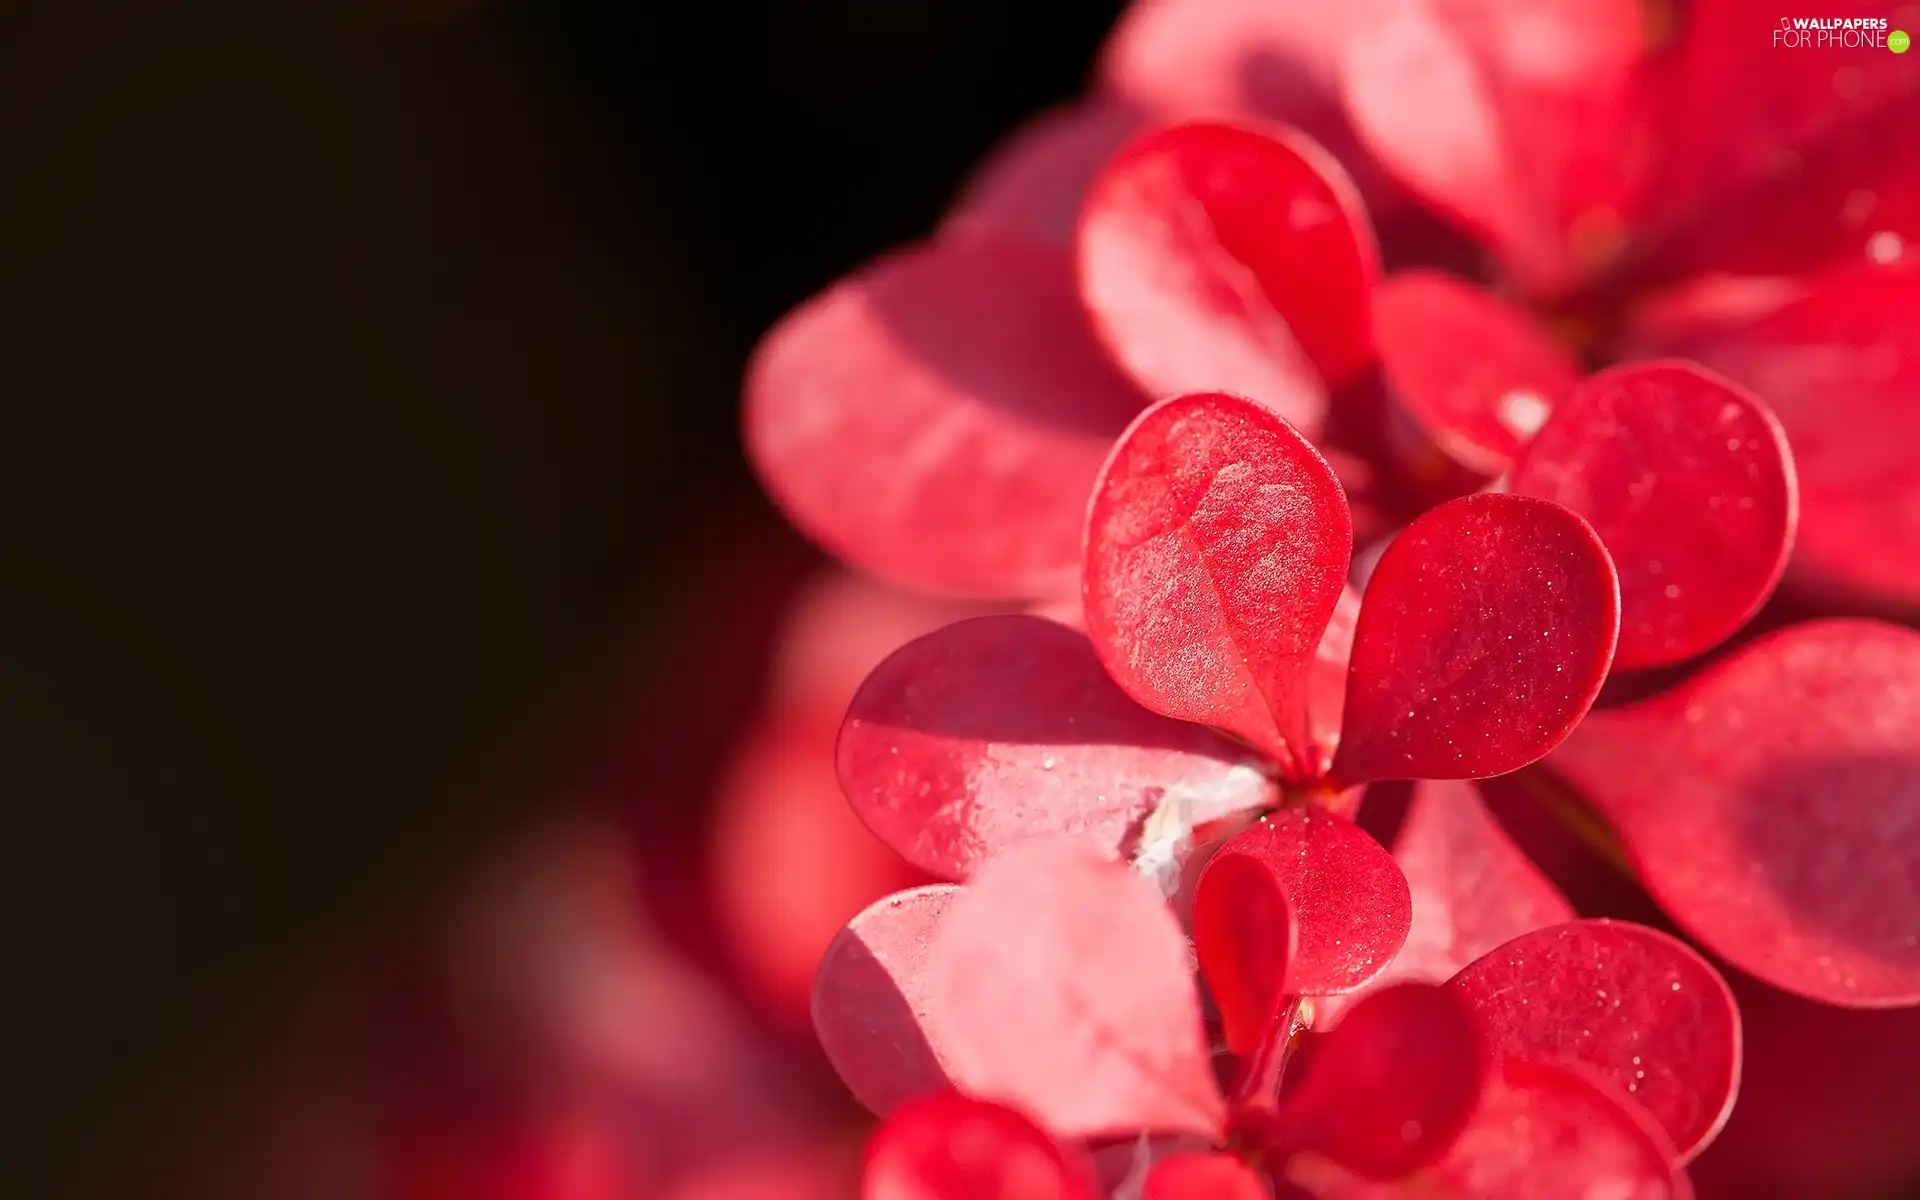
1639 1007
1485 633
1031 185
955 1148
1244 935
1001 729
1772 805
1688 480
1217 548
1202 1177
938 418
1062 985
872 998
1220 258
1475 373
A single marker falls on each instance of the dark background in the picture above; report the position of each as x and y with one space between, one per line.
370 374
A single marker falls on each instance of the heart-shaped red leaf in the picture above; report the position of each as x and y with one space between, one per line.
1217 548
1772 804
1472 888
1485 633
1000 729
1220 258
1521 124
1031 185
938 418
1061 984
955 1148
1244 935
1473 372
1202 1177
1630 1002
1841 369
1391 1086
871 998
1688 480
1345 896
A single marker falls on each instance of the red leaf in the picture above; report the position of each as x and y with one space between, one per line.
1689 482
1391 1086
1062 985
1772 804
1240 59
1474 372
1218 258
1841 368
1031 185
1521 122
955 1148
1546 1132
1217 548
1472 889
871 999
1485 633
1637 1006
1346 897
938 418
1000 729
1202 1177
1244 935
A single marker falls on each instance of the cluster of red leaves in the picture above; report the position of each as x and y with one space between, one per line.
1153 377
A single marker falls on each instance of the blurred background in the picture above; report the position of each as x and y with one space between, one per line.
387 597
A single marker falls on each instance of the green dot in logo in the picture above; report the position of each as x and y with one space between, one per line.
1898 41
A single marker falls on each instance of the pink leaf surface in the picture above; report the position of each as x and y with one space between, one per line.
1522 122
1217 547
1472 889
871 999
1220 258
1346 897
1473 372
1688 480
938 418
1245 936
1772 805
1202 1177
1062 985
1001 729
1630 1002
1485 633
1392 1085
1841 369
1540 1132
1031 185
955 1148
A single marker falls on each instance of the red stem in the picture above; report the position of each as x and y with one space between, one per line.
1258 1086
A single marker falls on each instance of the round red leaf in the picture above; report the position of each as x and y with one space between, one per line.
1472 888
1485 633
1841 368
1031 185
1062 985
1390 1087
871 997
1772 804
1220 258
1688 480
1244 935
1475 373
1523 126
1217 548
1000 729
938 418
955 1148
1630 1002
1346 896
1202 1177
